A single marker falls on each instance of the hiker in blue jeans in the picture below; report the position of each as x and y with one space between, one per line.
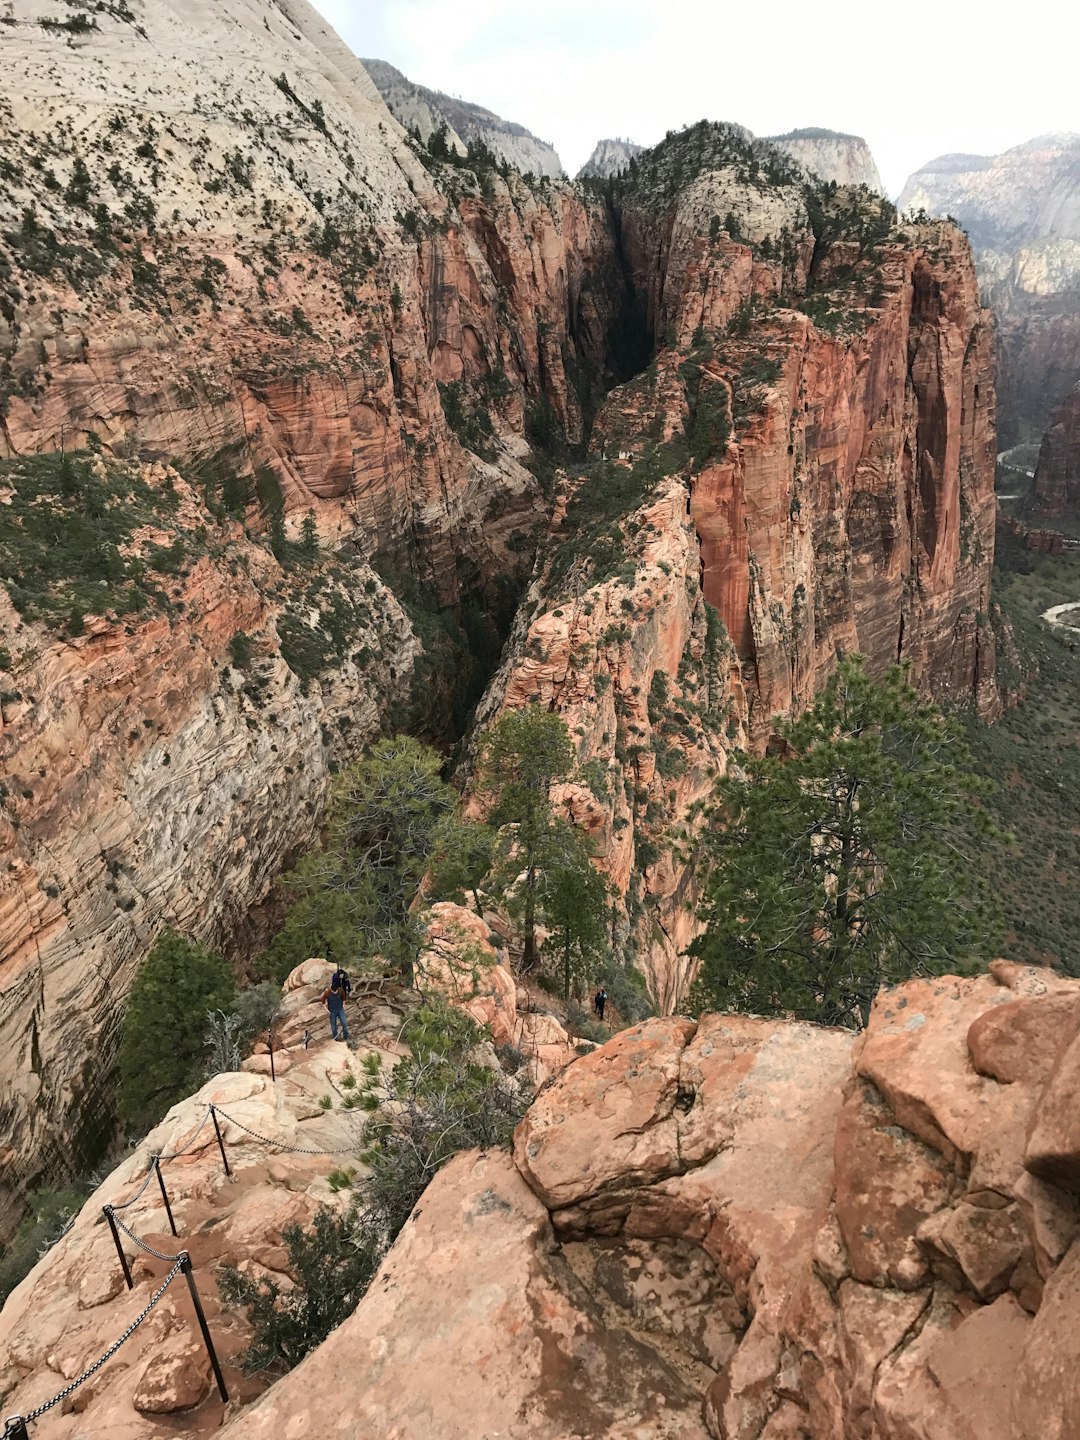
334 999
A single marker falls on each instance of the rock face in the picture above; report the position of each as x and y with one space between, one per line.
801 1238
1057 476
247 266
844 502
1022 210
425 110
212 271
847 159
609 157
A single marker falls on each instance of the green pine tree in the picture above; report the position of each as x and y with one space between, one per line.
162 1041
844 859
574 900
523 755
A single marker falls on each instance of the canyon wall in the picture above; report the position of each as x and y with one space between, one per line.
847 159
1057 475
835 494
424 110
216 247
219 249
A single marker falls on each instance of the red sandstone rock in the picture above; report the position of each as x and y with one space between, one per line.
1057 476
1053 1149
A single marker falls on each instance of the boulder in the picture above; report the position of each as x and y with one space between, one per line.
1053 1148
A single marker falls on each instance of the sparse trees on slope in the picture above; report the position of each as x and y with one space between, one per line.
844 862
352 897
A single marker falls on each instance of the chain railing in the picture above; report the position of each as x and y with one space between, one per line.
15 1426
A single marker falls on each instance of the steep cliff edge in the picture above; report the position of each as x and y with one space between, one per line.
217 247
1022 210
423 110
609 157
847 159
265 279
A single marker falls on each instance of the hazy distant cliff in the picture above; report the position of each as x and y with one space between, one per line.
843 158
609 157
1022 211
425 110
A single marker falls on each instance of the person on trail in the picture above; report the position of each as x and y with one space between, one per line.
334 1000
600 1002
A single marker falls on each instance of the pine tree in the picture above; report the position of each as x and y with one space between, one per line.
844 860
523 755
161 1044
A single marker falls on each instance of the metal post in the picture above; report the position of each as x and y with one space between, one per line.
107 1212
15 1428
220 1141
185 1266
164 1193
270 1038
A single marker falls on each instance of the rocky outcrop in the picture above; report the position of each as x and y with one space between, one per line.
423 110
847 159
768 1230
1022 210
609 157
1057 475
284 1140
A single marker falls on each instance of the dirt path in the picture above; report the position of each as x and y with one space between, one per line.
1053 616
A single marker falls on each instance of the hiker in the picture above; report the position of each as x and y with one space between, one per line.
334 1000
600 1002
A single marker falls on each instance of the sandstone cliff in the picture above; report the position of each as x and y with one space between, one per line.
1022 210
729 1227
419 108
1057 476
847 159
609 157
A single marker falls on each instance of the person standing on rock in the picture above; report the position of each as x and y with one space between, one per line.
600 1002
334 1000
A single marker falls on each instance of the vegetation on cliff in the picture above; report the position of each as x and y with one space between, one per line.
844 858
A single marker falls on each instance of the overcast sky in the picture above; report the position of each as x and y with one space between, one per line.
917 80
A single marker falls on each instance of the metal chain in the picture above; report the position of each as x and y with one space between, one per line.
142 1243
280 1145
202 1126
138 1193
96 1366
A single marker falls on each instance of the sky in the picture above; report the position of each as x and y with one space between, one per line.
917 81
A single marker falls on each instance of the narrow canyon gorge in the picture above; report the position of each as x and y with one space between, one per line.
252 302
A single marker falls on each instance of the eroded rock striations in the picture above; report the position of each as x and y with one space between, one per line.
806 467
240 264
1022 210
1057 475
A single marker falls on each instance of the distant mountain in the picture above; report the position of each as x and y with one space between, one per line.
832 155
1022 211
418 108
610 157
